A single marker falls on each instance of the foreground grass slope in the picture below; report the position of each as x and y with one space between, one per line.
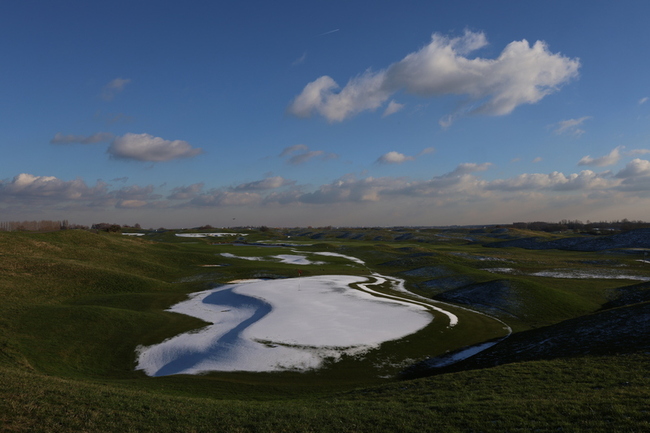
76 304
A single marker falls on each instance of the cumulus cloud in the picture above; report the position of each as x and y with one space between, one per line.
394 158
635 176
612 158
145 147
114 87
98 137
635 168
398 158
50 191
571 126
556 181
392 108
351 189
522 74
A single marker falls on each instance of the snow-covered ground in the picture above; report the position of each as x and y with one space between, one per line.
272 325
205 235
133 234
291 259
602 274
291 324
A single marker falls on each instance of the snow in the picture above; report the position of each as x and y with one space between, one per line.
603 274
204 235
296 259
291 259
232 256
133 234
273 325
445 360
353 259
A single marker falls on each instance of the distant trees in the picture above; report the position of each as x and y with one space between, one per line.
579 226
106 227
34 226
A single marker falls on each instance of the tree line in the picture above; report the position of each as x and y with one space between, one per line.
35 226
601 227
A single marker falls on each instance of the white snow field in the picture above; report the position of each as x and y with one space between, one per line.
287 324
205 235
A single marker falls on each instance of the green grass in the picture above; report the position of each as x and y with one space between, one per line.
76 304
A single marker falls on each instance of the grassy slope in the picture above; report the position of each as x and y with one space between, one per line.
114 289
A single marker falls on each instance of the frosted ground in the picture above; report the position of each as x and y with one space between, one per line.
287 324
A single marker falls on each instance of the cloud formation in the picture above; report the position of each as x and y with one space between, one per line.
114 87
612 158
186 192
145 147
265 184
305 154
522 74
98 137
462 186
394 158
571 126
398 158
392 108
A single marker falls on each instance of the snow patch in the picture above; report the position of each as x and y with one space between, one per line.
289 324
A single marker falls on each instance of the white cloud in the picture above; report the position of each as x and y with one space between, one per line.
635 168
299 60
306 154
98 137
643 100
215 198
520 75
394 158
145 147
398 158
612 158
186 192
392 108
114 87
638 152
265 184
50 191
555 181
293 149
537 159
635 176
571 126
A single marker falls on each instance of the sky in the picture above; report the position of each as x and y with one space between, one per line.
345 113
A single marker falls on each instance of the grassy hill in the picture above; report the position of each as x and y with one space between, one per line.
75 305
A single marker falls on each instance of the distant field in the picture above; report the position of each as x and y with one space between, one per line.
77 304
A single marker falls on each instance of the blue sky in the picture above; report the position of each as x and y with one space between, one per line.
291 113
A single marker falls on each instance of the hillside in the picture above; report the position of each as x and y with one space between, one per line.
76 305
